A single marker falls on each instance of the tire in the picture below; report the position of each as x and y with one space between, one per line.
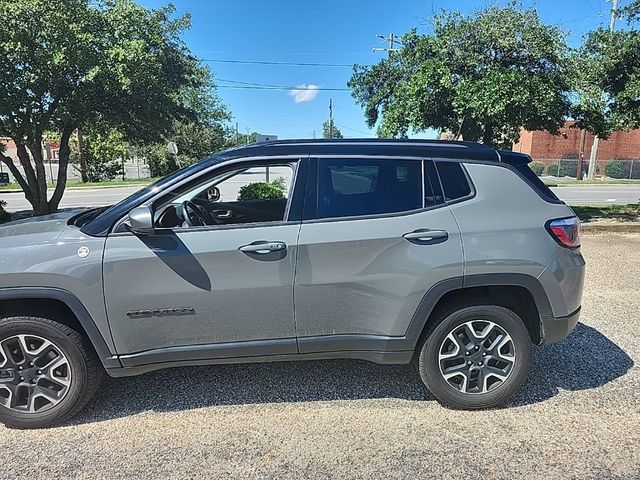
499 365
62 377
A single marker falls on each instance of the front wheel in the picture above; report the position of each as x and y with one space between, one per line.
476 357
48 372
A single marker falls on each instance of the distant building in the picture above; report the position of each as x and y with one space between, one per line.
548 148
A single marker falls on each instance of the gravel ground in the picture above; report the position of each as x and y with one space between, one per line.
577 416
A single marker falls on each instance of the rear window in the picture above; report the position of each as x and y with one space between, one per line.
454 181
352 187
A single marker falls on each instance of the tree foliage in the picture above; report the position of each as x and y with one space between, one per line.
484 76
606 73
63 63
330 130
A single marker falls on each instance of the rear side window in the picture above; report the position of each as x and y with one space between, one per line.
354 187
454 181
432 190
537 184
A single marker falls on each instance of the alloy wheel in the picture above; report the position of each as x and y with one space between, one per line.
476 356
35 374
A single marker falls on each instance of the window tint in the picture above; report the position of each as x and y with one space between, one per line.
432 191
348 187
537 184
454 181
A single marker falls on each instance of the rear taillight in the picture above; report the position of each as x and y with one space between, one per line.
565 231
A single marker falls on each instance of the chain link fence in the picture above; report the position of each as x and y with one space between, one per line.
616 169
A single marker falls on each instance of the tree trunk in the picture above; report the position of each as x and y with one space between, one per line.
487 136
63 164
35 147
33 195
8 161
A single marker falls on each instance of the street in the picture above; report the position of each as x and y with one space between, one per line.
576 416
90 197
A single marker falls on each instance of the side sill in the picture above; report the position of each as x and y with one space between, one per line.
383 358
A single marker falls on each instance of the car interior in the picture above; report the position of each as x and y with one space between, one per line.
221 201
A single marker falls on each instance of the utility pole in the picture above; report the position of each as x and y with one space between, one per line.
392 42
593 158
331 118
83 163
237 136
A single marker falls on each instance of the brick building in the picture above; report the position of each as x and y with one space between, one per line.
548 148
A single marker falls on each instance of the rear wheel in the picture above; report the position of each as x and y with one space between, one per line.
48 372
476 357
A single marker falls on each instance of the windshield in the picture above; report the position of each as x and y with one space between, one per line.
103 222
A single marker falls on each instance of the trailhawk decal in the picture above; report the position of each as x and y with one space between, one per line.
162 312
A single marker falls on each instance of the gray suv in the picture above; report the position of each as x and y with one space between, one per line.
449 254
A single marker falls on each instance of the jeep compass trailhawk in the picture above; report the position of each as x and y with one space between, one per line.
450 254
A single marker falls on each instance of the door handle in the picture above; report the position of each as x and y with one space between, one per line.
426 235
263 247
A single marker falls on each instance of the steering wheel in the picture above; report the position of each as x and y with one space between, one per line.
196 216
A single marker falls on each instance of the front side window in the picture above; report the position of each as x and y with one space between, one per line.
355 187
240 196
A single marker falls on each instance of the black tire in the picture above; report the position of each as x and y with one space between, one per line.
82 360
429 361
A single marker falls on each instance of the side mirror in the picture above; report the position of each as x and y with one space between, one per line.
213 194
141 220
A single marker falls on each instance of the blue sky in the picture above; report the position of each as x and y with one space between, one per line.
329 31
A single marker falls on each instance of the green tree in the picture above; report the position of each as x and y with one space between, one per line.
330 130
483 76
63 63
105 150
606 73
200 137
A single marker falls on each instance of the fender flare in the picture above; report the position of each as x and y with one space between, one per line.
439 290
75 305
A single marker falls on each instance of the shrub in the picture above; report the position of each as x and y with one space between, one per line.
4 215
622 169
563 168
537 167
261 191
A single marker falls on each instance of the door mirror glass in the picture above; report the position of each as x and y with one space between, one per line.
141 220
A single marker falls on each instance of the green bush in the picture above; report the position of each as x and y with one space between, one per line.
262 191
4 215
567 168
622 169
537 167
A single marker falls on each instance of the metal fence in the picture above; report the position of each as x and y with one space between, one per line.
617 169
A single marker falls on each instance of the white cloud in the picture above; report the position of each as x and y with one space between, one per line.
304 93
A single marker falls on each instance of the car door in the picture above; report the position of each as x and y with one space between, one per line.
376 236
192 293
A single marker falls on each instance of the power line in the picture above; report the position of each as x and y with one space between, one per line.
285 64
261 87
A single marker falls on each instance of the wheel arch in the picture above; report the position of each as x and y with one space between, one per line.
56 302
519 292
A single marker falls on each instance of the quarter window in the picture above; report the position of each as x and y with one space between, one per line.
353 187
454 181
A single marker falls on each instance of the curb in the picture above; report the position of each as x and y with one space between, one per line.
613 227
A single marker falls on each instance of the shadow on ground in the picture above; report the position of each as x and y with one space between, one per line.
585 360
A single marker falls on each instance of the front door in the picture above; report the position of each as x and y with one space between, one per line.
215 279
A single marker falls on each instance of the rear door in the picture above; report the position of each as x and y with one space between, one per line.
375 237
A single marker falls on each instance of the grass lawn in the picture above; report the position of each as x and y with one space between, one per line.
105 183
618 213
560 182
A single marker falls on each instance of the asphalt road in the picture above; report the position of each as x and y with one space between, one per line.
88 197
576 417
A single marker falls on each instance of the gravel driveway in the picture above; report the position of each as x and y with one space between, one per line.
577 416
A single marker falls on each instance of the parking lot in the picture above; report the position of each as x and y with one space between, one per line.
577 416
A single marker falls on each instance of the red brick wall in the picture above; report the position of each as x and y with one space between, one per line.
542 145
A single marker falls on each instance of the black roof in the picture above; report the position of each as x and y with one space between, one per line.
379 147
